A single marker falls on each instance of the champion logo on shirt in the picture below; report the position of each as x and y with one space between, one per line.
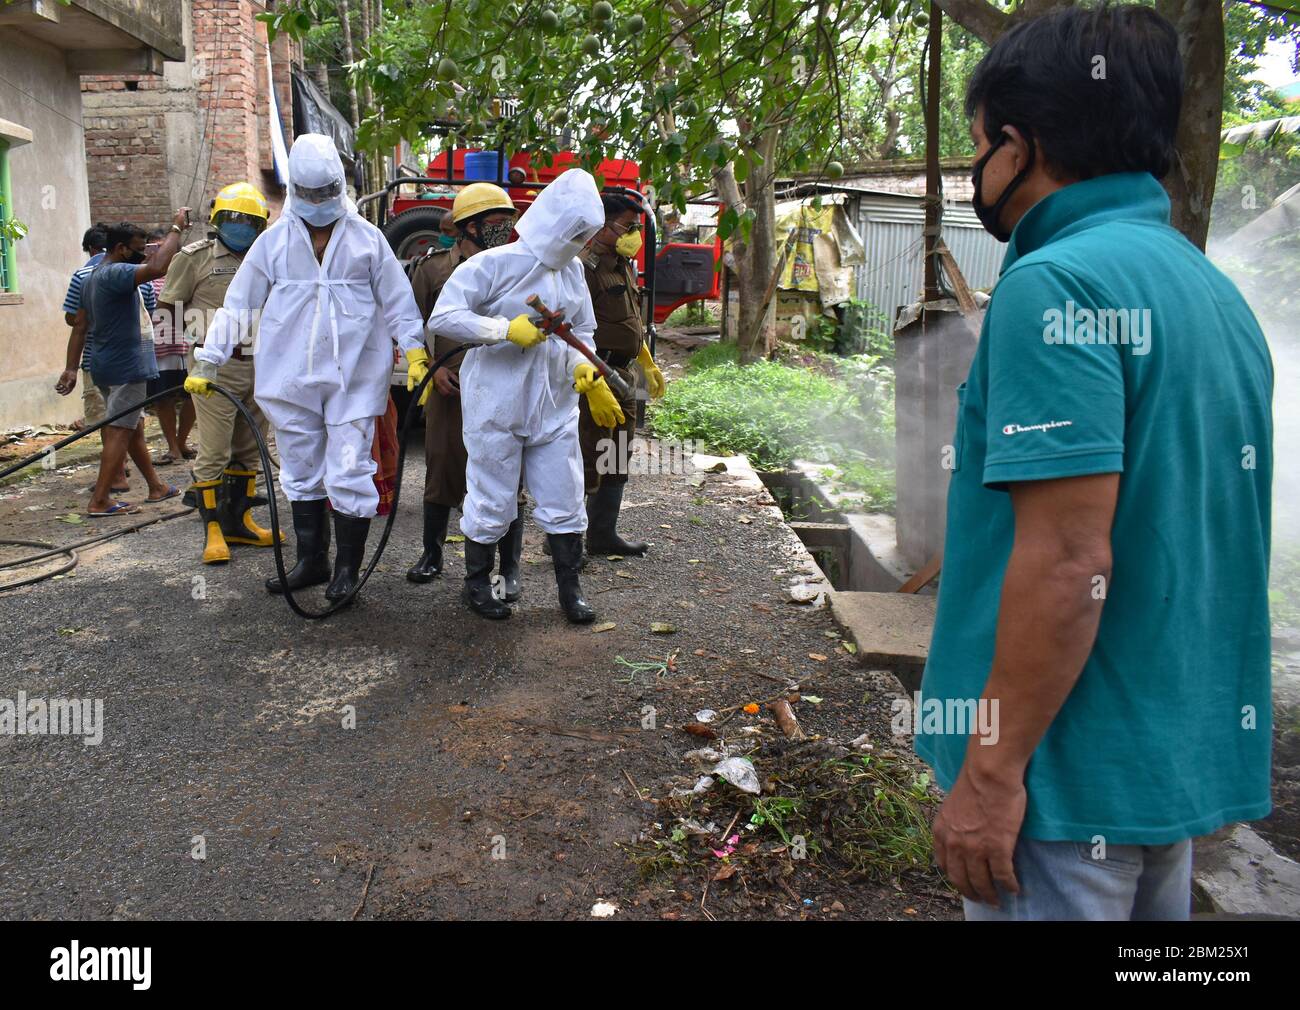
1016 429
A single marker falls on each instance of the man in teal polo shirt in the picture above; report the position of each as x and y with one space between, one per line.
1098 689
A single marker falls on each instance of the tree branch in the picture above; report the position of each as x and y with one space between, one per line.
978 17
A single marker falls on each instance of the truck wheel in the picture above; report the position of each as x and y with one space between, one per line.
413 232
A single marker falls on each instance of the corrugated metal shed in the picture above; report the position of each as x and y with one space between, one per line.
891 227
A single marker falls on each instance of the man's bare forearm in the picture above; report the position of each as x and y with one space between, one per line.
1047 624
76 344
157 264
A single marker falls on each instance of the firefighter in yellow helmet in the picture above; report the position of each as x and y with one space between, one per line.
225 469
482 216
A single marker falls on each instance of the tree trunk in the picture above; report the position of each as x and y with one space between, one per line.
374 161
757 330
345 27
321 72
754 261
1199 23
1191 181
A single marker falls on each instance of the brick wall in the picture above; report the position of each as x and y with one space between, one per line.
153 143
126 158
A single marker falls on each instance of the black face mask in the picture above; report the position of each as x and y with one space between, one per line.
487 236
990 213
137 257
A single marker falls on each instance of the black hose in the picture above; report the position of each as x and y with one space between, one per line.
412 408
70 549
72 561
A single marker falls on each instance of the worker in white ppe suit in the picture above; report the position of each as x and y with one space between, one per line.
519 391
330 298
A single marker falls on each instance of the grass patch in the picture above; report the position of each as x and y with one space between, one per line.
816 407
851 817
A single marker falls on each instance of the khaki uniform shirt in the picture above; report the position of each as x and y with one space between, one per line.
611 278
428 274
197 278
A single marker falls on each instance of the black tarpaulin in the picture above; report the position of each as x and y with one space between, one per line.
313 113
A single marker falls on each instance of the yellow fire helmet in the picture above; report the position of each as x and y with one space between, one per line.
241 198
478 197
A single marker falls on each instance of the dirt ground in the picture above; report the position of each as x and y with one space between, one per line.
406 759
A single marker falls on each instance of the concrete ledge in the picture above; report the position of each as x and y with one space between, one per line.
807 583
1236 874
892 631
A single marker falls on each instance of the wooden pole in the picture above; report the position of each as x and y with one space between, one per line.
933 177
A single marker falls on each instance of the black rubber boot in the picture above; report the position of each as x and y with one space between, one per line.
237 523
351 533
313 535
510 547
546 549
603 505
478 581
566 553
429 566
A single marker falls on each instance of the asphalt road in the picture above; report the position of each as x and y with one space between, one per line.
402 759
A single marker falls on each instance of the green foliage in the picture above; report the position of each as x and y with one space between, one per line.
711 355
1250 180
693 314
860 818
13 229
686 88
1247 30
822 409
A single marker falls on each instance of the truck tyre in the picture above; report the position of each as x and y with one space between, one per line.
413 232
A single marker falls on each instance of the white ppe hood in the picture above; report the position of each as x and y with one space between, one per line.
314 162
563 218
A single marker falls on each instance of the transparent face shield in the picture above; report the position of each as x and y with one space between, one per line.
319 194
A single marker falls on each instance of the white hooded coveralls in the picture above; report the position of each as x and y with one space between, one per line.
324 345
520 408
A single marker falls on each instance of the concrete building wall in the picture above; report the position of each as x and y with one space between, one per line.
48 180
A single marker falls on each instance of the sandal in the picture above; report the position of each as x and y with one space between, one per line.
120 508
189 453
166 459
172 492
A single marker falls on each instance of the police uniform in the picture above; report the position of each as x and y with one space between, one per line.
197 279
444 443
612 281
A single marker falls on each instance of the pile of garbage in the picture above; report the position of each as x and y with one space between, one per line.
763 807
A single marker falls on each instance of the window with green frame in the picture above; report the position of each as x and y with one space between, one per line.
4 217
8 271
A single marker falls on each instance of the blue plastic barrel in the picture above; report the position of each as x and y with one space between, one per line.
483 165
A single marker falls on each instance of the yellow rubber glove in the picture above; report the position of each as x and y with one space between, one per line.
199 380
196 386
585 375
654 379
605 410
417 367
523 332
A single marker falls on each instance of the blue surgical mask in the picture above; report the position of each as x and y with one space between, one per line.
237 236
319 214
446 241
